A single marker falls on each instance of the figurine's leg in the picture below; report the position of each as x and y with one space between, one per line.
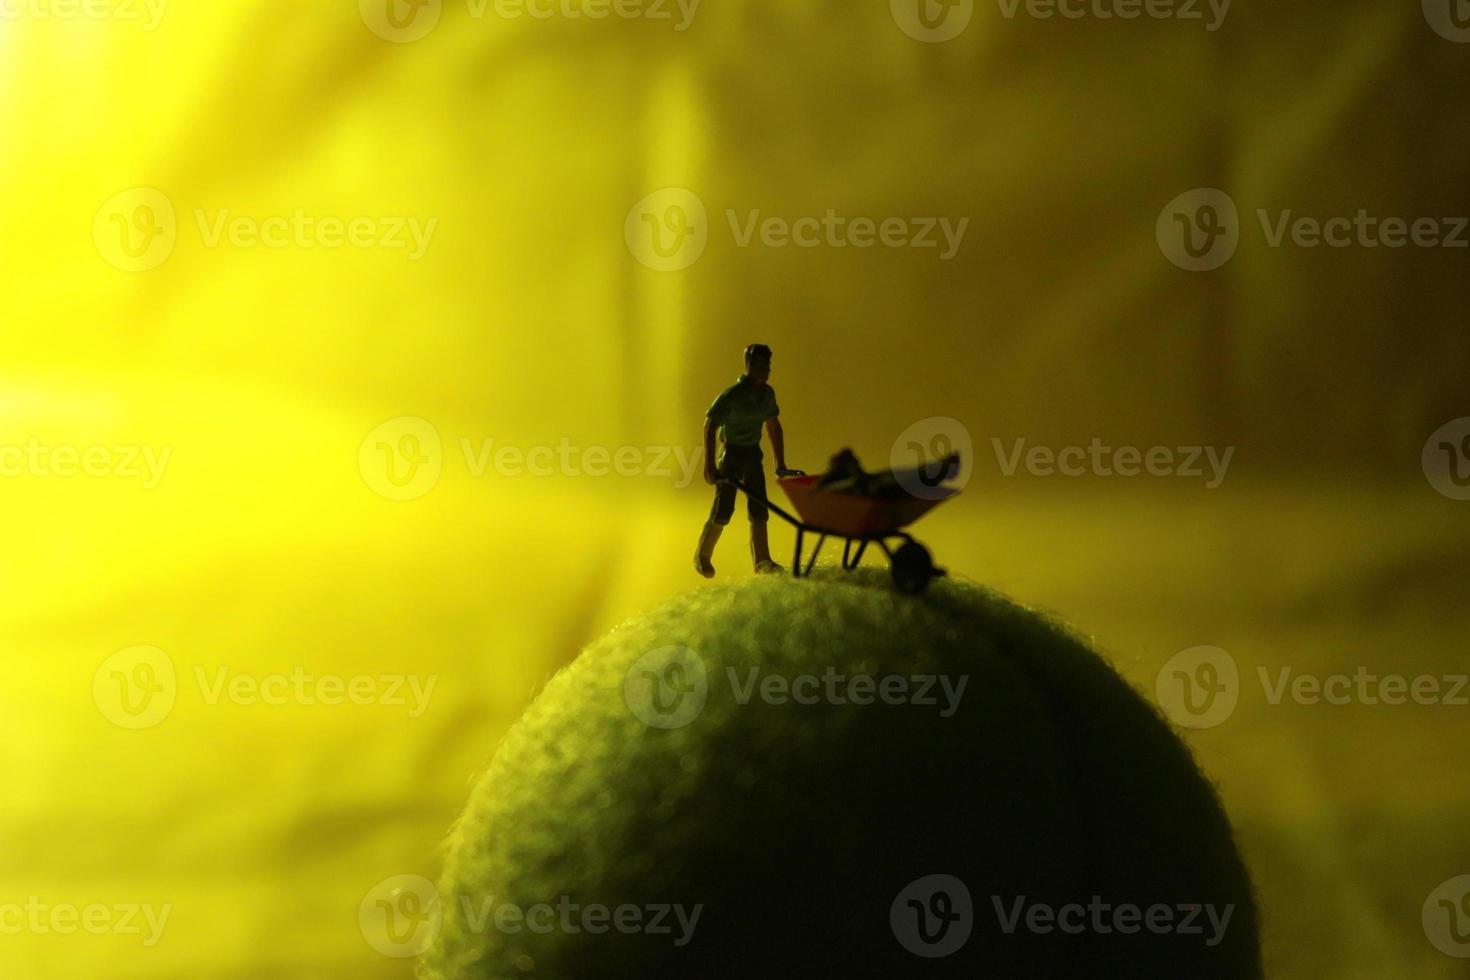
705 553
719 516
759 514
760 549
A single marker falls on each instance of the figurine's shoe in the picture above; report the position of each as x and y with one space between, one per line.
705 552
768 567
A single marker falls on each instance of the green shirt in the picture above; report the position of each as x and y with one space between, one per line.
741 410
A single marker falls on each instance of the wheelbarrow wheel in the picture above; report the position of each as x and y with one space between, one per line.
912 568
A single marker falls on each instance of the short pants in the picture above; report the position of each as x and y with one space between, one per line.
743 463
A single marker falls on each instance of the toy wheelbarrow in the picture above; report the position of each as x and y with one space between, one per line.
861 519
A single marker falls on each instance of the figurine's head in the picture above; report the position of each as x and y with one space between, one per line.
758 363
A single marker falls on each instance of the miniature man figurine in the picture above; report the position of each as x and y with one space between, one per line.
737 416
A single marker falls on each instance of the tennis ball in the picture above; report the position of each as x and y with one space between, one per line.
821 777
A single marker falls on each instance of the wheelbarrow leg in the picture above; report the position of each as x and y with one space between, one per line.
796 564
821 540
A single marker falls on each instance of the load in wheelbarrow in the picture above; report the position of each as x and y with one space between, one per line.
863 509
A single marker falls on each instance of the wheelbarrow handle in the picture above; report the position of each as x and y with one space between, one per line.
783 473
792 518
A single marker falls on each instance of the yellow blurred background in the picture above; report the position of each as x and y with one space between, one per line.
356 356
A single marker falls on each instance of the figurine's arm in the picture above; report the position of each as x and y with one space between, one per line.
711 429
778 441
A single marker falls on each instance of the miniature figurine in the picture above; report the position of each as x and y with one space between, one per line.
736 418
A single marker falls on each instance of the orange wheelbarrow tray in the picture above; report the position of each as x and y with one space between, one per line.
859 521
